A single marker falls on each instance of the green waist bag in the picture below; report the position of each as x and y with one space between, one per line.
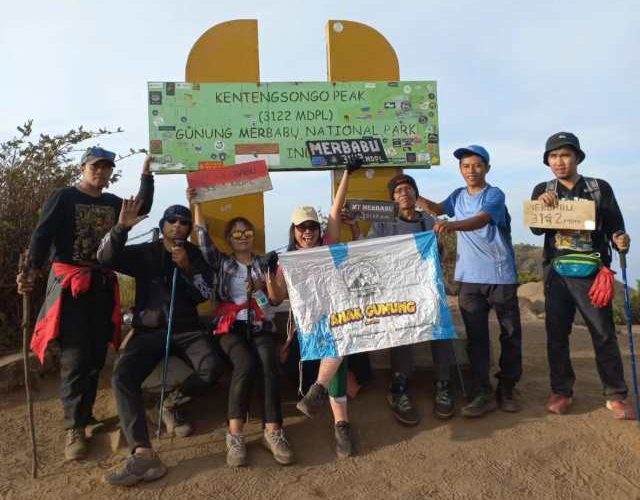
577 265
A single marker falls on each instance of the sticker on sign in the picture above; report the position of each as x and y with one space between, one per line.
339 152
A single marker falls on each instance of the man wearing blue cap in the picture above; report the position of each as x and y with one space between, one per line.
81 309
486 270
152 265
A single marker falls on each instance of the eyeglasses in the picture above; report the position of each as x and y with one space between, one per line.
308 226
246 233
101 153
179 220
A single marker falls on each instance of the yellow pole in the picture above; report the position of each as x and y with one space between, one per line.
357 52
228 52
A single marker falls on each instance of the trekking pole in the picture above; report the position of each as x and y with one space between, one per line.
249 326
23 267
627 309
458 369
165 364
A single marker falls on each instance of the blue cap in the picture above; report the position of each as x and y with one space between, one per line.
474 149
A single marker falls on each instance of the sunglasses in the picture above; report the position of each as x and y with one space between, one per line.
308 226
101 153
246 233
179 220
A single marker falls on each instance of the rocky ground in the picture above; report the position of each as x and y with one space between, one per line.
531 454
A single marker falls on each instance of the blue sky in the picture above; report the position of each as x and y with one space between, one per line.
509 74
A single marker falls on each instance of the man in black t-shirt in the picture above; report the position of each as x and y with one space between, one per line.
81 308
563 293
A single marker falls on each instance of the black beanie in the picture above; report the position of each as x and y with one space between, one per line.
402 179
177 211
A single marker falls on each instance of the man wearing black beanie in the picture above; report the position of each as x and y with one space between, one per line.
152 265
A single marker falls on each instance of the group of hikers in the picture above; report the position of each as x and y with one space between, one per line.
85 230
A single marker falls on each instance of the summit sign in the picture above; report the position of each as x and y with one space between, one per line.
293 126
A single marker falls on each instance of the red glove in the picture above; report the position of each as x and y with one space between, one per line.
602 290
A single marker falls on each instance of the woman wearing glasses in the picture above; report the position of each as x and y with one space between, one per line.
244 324
331 383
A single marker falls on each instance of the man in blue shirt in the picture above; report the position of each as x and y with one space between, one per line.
486 270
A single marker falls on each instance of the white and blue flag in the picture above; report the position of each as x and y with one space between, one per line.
367 295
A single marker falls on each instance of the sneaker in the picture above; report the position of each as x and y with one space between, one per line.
236 450
444 406
482 404
506 399
559 404
622 409
276 442
403 408
174 421
75 446
136 468
344 442
314 400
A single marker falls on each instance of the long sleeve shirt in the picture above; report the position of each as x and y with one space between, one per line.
73 223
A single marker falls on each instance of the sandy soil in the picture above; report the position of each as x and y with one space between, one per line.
585 454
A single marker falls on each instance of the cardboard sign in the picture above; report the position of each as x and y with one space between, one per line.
372 210
233 123
577 215
339 152
226 182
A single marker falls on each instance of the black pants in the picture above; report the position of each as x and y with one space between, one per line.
140 356
476 300
251 354
85 331
402 359
563 295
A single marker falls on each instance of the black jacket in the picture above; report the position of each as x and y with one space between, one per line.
151 266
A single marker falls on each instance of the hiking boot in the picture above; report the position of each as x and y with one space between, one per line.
175 399
236 450
75 446
174 421
622 409
344 442
403 408
314 400
444 406
95 426
559 404
136 468
482 404
276 442
506 399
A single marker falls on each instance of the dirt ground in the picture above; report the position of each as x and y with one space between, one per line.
531 454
